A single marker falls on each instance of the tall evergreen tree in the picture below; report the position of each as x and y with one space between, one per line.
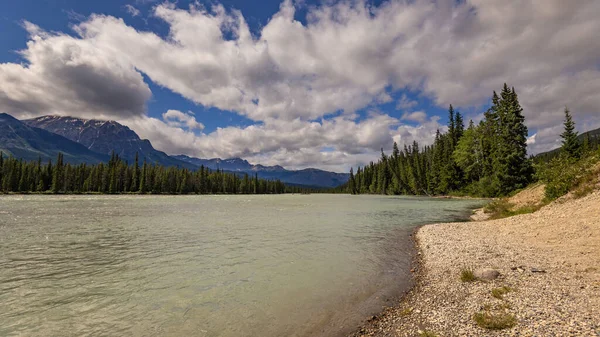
57 180
570 144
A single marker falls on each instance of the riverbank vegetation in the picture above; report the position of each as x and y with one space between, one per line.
18 176
488 159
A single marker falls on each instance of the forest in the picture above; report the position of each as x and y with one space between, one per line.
484 160
117 176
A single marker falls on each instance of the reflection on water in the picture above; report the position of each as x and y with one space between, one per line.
293 265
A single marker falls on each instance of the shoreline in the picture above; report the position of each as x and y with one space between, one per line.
549 266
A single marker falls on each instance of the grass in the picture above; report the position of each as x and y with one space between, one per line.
466 275
503 209
500 292
406 311
427 333
491 321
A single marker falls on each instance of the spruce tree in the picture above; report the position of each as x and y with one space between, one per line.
143 179
570 144
351 182
512 168
57 176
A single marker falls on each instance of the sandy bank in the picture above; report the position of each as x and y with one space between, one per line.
548 260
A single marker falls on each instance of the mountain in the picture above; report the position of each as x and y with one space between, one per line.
30 143
97 139
306 177
232 164
593 137
105 137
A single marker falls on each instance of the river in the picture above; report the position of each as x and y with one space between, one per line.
281 265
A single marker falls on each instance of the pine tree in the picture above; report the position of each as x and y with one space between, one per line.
570 144
513 169
143 182
57 176
351 182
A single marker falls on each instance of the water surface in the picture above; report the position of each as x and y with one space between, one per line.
291 265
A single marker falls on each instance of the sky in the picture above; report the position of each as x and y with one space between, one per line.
302 83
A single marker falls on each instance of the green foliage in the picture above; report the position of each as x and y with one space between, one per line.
503 209
427 333
565 173
486 160
559 175
571 146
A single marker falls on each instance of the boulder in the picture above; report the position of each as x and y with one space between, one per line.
486 274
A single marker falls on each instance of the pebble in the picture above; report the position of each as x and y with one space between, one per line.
563 301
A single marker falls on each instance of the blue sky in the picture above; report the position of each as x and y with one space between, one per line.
322 84
61 15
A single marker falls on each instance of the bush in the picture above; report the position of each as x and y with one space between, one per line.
564 173
503 209
500 292
466 275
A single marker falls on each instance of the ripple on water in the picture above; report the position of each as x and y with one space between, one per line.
204 265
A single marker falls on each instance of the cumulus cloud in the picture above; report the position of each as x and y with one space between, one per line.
182 120
70 76
292 77
294 144
416 116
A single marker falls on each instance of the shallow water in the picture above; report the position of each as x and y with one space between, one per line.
291 265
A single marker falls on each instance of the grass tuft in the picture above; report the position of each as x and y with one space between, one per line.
498 321
500 292
466 275
427 333
406 311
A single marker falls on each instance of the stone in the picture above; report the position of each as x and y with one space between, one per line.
486 274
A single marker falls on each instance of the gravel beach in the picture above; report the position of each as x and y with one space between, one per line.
548 283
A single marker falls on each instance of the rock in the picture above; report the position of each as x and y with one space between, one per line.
486 274
536 270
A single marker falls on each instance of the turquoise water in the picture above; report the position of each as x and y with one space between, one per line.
291 265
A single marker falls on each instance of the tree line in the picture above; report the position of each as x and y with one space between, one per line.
488 159
117 176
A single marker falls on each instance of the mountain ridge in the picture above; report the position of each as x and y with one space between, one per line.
30 143
93 141
307 176
105 137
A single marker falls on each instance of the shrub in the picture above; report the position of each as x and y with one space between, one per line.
497 321
500 292
466 275
563 173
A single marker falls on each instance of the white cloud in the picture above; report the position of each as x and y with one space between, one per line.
405 103
179 119
349 141
416 116
348 56
70 76
132 10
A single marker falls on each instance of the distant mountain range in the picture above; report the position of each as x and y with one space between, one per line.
307 177
92 141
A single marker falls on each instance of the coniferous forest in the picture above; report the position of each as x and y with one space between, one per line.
488 159
118 177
